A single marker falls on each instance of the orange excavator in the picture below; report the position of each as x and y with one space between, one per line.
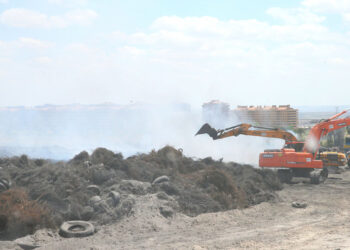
296 158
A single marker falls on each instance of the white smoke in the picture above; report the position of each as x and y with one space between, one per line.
130 129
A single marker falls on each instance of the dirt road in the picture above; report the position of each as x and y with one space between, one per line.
324 224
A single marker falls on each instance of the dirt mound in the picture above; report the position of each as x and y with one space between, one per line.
103 186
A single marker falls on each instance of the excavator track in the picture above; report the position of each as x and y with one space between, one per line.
318 176
285 175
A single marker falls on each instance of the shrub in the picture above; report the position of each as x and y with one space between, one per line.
19 215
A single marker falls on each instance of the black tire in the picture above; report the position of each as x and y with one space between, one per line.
5 183
76 228
315 178
285 175
299 204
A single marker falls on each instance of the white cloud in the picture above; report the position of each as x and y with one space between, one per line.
190 32
68 2
212 52
24 18
194 59
341 7
295 16
328 5
4 1
43 60
133 50
34 43
81 17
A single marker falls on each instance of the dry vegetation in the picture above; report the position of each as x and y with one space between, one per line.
19 215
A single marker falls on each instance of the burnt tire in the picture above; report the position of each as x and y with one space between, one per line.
76 228
299 204
5 184
285 175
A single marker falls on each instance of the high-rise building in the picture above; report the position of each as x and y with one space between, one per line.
270 116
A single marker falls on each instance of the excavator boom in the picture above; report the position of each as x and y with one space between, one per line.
322 129
246 129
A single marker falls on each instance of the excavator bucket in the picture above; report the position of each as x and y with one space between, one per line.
207 129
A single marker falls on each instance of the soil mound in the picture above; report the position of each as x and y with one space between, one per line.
102 187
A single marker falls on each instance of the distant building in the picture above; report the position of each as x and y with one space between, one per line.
270 116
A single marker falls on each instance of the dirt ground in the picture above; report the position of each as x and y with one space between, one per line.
323 224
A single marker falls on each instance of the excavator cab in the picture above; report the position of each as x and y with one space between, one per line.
347 143
296 145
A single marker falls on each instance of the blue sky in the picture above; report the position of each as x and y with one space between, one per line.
242 52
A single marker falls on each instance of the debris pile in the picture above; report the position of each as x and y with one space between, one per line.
103 187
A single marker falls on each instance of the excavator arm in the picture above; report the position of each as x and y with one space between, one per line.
323 128
246 129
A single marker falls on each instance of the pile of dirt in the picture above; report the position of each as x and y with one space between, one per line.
102 187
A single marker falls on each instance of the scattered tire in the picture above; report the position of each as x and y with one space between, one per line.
299 204
76 228
115 196
4 184
160 179
94 189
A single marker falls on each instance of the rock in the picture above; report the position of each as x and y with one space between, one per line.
166 211
135 187
87 213
94 189
93 200
115 197
160 179
26 242
299 204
